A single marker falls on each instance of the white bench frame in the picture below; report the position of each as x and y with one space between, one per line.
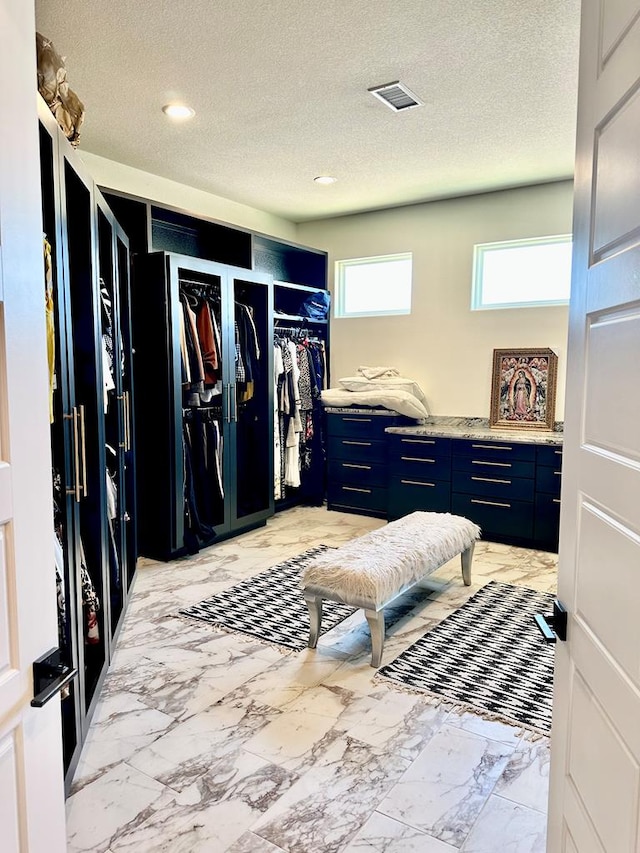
314 597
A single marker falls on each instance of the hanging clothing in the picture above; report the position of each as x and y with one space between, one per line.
50 323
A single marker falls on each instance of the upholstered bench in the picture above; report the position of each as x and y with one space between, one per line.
373 570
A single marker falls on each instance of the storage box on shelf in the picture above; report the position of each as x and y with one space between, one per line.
419 474
547 503
357 450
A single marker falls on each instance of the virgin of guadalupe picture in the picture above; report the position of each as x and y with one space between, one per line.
523 389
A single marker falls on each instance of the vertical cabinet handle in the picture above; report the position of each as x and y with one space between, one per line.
127 421
76 455
227 414
83 441
234 388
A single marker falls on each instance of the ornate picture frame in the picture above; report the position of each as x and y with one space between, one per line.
523 389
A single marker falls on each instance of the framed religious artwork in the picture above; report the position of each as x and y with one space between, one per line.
523 389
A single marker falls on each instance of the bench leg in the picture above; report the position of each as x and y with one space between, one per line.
467 557
375 618
314 603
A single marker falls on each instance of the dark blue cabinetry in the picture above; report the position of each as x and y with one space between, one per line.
510 488
358 453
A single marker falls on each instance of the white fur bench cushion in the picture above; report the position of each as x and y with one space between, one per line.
372 569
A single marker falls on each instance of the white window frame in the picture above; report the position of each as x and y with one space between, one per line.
340 269
482 249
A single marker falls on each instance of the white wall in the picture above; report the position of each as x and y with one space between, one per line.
444 345
117 176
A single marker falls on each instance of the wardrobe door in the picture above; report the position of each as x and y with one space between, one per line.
61 409
114 414
252 398
202 358
128 487
88 422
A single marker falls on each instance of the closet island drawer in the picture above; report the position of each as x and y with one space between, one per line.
356 449
548 480
499 517
495 485
357 473
407 495
495 451
356 426
421 446
549 455
370 499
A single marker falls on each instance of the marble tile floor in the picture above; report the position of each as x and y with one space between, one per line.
208 741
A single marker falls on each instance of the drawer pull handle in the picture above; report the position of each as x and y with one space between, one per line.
358 420
493 464
353 489
558 452
417 440
491 480
492 446
353 465
490 503
416 483
556 500
359 443
558 473
415 459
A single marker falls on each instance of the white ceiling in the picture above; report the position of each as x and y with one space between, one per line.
280 93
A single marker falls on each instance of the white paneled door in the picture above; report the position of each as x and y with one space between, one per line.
31 769
595 770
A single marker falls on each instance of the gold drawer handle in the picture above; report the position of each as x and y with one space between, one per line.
416 483
490 503
494 464
359 443
491 447
491 480
358 420
556 500
353 465
353 489
415 459
417 440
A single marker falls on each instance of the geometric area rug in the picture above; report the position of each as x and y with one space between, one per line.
487 657
270 606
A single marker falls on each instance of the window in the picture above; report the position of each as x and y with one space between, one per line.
522 273
370 287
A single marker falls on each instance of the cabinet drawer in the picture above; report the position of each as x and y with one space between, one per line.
501 451
494 485
372 498
417 468
357 449
367 426
500 517
547 522
357 473
501 468
550 456
419 445
407 495
548 480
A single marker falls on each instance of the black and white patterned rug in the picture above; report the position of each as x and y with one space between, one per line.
270 606
488 657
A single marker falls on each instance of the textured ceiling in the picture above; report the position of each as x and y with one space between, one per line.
280 93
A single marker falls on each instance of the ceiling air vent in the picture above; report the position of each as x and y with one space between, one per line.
396 96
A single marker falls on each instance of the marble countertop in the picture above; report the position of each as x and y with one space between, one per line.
478 428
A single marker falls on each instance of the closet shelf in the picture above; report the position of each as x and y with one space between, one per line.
298 318
291 286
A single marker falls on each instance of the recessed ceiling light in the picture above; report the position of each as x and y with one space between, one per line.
325 179
178 111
